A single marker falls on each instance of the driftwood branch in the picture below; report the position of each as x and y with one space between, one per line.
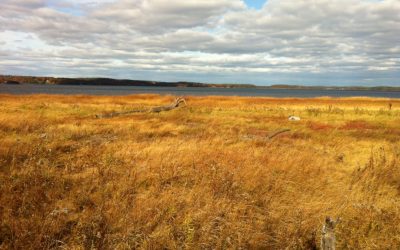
275 133
328 239
268 137
172 106
157 109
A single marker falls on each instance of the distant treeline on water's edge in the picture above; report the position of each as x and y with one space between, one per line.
12 79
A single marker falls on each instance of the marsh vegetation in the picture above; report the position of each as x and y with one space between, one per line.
199 177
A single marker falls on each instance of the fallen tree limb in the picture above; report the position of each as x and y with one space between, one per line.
157 109
172 106
268 137
328 239
272 135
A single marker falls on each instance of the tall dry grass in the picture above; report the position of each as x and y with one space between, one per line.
199 177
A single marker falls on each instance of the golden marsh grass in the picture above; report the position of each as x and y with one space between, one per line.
198 177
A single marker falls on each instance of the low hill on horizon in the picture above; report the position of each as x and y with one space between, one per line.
13 79
110 82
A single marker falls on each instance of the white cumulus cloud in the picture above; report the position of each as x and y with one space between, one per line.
321 42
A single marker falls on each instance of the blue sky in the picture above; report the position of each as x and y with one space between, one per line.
256 4
226 41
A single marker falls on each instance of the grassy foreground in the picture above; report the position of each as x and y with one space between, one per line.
198 177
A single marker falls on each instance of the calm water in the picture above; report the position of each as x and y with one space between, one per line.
128 90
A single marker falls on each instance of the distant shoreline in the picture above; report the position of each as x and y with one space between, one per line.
13 79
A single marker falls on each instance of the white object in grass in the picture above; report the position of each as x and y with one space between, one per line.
294 118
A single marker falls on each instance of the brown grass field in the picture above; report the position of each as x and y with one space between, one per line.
202 176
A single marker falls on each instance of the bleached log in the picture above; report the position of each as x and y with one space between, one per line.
328 238
157 109
272 135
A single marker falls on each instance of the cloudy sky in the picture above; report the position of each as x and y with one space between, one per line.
310 42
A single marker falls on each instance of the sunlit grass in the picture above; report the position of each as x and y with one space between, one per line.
201 176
